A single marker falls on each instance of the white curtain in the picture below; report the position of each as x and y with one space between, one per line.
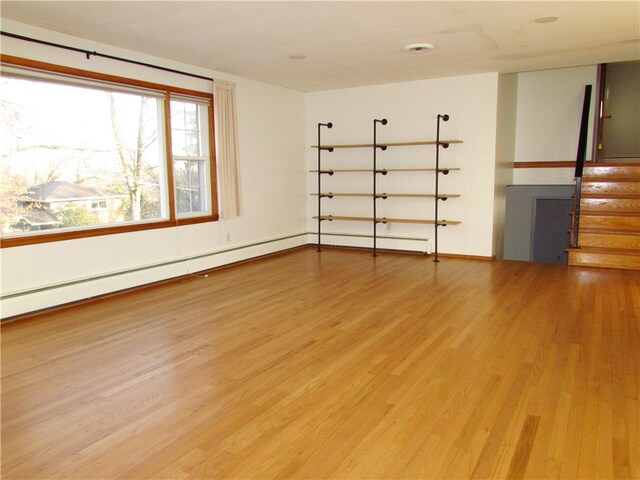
228 156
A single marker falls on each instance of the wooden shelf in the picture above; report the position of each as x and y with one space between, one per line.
375 194
381 170
393 144
388 220
391 195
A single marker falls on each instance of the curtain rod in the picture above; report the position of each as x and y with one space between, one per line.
90 54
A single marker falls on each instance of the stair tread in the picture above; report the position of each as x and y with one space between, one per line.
608 231
610 164
609 179
616 251
599 213
611 195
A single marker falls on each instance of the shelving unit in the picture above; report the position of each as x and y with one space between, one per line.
375 171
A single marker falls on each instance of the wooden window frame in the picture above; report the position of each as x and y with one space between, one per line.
172 221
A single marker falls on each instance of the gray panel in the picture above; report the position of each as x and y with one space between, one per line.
520 210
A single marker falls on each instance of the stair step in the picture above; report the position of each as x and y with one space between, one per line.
604 258
612 186
629 171
609 221
609 239
604 203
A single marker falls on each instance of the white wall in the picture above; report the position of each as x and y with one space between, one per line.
548 122
271 132
505 153
411 109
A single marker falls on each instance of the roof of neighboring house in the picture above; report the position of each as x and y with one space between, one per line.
39 216
60 191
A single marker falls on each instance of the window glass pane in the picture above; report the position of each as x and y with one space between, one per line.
177 115
191 116
189 177
186 129
66 149
178 142
193 144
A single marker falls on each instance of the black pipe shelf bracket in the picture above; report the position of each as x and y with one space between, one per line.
320 173
445 145
376 146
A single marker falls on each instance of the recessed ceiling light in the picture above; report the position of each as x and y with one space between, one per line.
418 47
547 19
297 57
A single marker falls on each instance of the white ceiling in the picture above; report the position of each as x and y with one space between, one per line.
351 43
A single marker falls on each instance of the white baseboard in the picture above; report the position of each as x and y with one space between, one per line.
47 296
422 245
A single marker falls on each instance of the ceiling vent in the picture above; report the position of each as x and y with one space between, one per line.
418 47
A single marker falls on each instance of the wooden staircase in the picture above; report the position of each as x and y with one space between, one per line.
609 225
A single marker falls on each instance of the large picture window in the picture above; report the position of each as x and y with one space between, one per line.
93 155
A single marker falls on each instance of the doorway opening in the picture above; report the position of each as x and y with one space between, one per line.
617 123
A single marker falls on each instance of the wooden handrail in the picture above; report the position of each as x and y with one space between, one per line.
550 164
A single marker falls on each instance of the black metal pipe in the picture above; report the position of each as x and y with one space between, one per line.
320 148
89 54
444 118
375 172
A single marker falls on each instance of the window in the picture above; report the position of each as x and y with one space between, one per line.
190 146
88 154
99 205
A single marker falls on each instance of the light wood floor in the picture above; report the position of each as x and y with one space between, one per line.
334 365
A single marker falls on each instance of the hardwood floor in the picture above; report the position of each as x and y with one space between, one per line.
334 365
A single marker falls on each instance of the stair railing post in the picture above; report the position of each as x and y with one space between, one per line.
580 159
